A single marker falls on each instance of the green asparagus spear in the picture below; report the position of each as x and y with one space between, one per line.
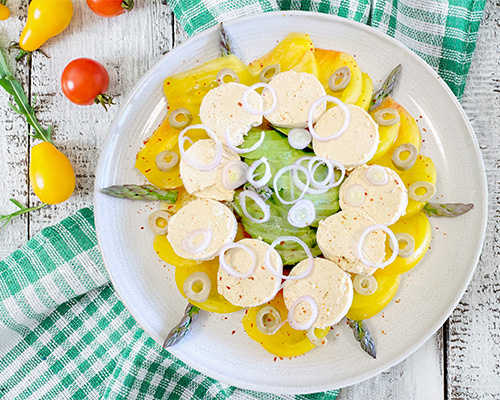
141 192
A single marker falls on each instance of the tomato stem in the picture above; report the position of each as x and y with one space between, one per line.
127 5
3 2
105 100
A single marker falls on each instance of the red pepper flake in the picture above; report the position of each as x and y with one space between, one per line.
142 227
147 170
275 358
398 301
239 103
168 83
233 332
228 288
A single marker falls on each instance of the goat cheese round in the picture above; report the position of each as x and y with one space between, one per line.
257 289
206 184
296 91
356 146
384 203
201 214
222 109
329 286
338 238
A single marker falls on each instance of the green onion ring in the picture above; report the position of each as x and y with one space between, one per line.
404 165
227 72
275 69
430 191
380 120
345 74
175 123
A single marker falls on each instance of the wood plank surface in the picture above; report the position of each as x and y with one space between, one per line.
460 362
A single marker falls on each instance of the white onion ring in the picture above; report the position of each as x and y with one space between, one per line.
242 151
311 335
351 192
253 111
371 175
295 135
393 239
315 311
202 295
154 217
300 185
343 107
365 290
330 164
259 320
251 173
192 162
293 167
302 244
187 242
241 166
308 205
230 270
263 206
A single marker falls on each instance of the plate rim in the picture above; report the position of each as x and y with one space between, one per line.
415 58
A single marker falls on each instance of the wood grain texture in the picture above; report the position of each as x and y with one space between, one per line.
460 362
473 348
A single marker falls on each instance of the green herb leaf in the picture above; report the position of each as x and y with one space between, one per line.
387 87
22 210
141 192
183 327
447 209
24 108
362 335
225 41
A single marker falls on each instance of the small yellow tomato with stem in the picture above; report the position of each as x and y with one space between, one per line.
46 19
51 175
4 11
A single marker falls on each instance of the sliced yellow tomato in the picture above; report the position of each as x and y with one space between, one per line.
165 251
295 52
365 98
165 138
215 302
187 89
419 227
286 342
183 197
366 306
408 130
388 134
329 61
423 170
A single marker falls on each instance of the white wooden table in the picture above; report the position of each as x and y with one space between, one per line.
462 361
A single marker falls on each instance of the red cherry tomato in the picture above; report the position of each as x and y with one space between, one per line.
110 8
83 80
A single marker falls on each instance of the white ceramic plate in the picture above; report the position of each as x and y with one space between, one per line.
220 348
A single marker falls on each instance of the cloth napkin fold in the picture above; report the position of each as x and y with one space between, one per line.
63 331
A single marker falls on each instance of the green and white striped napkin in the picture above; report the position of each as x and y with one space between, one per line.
63 331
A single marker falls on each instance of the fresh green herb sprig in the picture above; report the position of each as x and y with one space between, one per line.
362 335
24 108
22 210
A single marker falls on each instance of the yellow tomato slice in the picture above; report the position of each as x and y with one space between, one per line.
165 138
419 228
295 52
330 61
215 302
423 170
183 197
366 306
286 342
165 251
187 89
387 134
408 130
364 99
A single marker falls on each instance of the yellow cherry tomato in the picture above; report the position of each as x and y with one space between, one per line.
51 175
329 61
4 12
419 227
286 342
365 98
46 19
295 52
388 134
215 302
366 306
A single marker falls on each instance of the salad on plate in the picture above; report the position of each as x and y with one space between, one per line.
290 191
